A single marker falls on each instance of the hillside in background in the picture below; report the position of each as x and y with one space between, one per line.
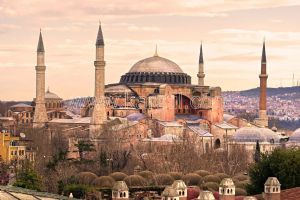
272 91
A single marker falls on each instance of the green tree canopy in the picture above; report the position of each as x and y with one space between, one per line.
28 178
281 163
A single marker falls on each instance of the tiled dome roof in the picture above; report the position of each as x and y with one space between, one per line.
252 134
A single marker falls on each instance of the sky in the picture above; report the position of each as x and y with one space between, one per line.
232 33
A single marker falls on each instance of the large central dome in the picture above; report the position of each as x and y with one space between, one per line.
155 69
155 64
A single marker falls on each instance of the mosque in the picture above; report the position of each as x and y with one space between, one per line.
154 101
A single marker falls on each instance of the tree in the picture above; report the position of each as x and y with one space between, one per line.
84 146
281 163
28 178
4 175
257 152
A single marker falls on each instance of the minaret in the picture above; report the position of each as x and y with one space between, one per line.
40 115
201 74
99 112
263 118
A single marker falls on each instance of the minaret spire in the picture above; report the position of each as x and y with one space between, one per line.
40 115
99 41
263 56
99 112
263 117
201 74
201 55
40 47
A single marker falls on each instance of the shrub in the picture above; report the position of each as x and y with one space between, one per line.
148 175
176 175
202 173
192 179
212 178
240 192
86 178
212 186
118 176
135 180
241 177
164 179
104 182
222 175
242 184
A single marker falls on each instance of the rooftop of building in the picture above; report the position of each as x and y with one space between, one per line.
12 193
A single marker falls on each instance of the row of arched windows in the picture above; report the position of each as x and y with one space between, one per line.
54 104
159 78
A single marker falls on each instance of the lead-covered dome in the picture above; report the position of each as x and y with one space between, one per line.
51 95
295 137
155 69
253 134
155 64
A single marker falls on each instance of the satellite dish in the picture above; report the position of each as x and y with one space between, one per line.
22 135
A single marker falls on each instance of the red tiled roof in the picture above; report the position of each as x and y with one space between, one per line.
290 194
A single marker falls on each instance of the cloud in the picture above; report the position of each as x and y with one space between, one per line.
254 37
248 57
69 9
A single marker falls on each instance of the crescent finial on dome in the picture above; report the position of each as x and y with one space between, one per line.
155 54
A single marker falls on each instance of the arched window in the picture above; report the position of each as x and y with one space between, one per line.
217 143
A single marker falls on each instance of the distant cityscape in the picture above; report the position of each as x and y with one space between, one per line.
283 103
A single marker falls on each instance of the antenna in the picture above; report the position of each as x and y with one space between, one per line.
293 80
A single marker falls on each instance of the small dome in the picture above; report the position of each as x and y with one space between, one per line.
179 185
227 182
118 89
21 105
272 181
274 128
120 186
253 134
169 192
136 117
155 64
295 137
206 195
51 95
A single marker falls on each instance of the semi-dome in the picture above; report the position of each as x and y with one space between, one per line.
253 134
155 64
295 137
155 69
51 95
